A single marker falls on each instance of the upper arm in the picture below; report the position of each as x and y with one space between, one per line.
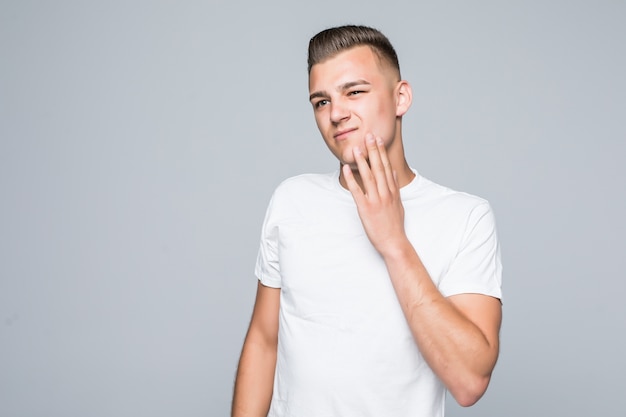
264 323
485 312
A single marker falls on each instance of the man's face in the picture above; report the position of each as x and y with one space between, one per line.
353 94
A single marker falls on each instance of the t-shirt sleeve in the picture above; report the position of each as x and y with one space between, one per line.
477 267
267 268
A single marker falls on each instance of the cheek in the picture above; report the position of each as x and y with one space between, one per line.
387 109
322 126
380 120
318 120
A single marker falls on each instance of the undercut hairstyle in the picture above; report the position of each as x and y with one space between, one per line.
331 42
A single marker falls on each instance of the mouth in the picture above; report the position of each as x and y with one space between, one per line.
343 134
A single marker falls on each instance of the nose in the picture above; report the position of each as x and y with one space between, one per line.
338 112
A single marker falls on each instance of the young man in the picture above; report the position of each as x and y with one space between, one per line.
378 289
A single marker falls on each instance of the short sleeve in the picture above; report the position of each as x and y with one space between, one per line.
477 267
267 268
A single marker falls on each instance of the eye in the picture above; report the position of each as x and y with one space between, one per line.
320 103
355 92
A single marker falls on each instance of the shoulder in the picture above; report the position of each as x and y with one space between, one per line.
445 199
305 185
303 193
307 180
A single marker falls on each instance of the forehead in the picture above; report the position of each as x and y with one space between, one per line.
360 62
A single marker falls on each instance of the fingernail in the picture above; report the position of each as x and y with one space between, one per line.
369 137
357 150
379 140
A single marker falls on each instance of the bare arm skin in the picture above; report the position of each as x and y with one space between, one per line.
255 374
459 335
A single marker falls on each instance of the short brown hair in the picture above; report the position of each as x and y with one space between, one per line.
330 42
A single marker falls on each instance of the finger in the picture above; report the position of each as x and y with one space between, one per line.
353 186
376 164
390 176
369 184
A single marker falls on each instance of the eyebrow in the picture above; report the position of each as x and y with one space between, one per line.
342 87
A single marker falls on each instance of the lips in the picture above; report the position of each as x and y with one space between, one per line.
343 134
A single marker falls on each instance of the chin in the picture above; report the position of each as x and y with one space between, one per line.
347 159
351 163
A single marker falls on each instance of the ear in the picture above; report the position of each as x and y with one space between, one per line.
404 97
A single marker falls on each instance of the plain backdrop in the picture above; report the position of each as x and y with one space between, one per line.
140 142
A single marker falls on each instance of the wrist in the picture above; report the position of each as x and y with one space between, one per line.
399 251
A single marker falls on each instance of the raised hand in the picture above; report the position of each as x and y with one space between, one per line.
378 202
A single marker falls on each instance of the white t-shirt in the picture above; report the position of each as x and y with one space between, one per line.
344 346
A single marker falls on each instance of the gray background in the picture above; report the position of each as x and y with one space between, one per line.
140 143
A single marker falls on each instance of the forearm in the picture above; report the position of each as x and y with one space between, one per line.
455 348
255 380
458 336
